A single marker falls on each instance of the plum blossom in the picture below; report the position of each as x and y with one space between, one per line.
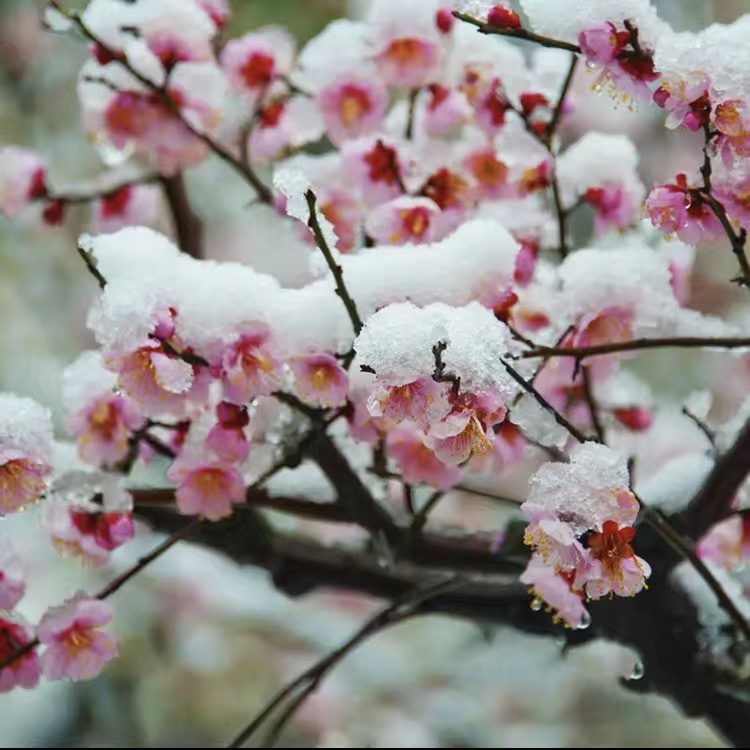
250 366
206 487
131 205
681 209
320 380
403 221
25 451
556 589
255 61
416 462
22 179
75 646
227 438
12 583
625 62
352 106
24 671
686 99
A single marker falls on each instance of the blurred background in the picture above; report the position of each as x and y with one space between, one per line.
204 642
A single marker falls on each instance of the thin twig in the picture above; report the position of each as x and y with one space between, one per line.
420 519
588 394
335 268
530 389
303 686
557 113
704 428
188 227
680 342
523 34
90 261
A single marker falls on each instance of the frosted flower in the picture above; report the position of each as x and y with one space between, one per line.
22 174
374 167
405 220
416 462
352 106
686 100
319 380
585 493
23 672
205 487
283 126
86 530
732 120
75 646
554 542
25 451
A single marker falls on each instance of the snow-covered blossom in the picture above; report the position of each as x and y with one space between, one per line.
25 451
12 583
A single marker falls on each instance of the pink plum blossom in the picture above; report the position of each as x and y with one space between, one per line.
490 173
731 119
250 366
682 210
255 61
417 463
408 61
636 418
554 588
103 427
159 382
75 646
319 380
445 111
615 207
422 401
128 206
227 438
352 106
23 671
404 220
206 488
22 479
12 584
687 101
727 543
86 530
374 168
626 64
22 174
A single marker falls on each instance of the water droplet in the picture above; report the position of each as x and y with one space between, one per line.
585 621
536 604
638 671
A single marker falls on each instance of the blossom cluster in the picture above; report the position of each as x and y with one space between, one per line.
440 190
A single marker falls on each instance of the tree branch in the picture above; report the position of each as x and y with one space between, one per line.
335 268
188 227
680 342
523 34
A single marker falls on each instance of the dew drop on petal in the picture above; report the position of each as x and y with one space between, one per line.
584 622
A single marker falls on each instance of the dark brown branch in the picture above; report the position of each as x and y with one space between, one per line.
523 34
74 195
188 227
679 342
90 261
557 114
588 394
712 503
335 268
531 390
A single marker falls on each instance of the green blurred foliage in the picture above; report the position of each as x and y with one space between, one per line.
304 18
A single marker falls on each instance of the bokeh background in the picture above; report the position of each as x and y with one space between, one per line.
205 642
